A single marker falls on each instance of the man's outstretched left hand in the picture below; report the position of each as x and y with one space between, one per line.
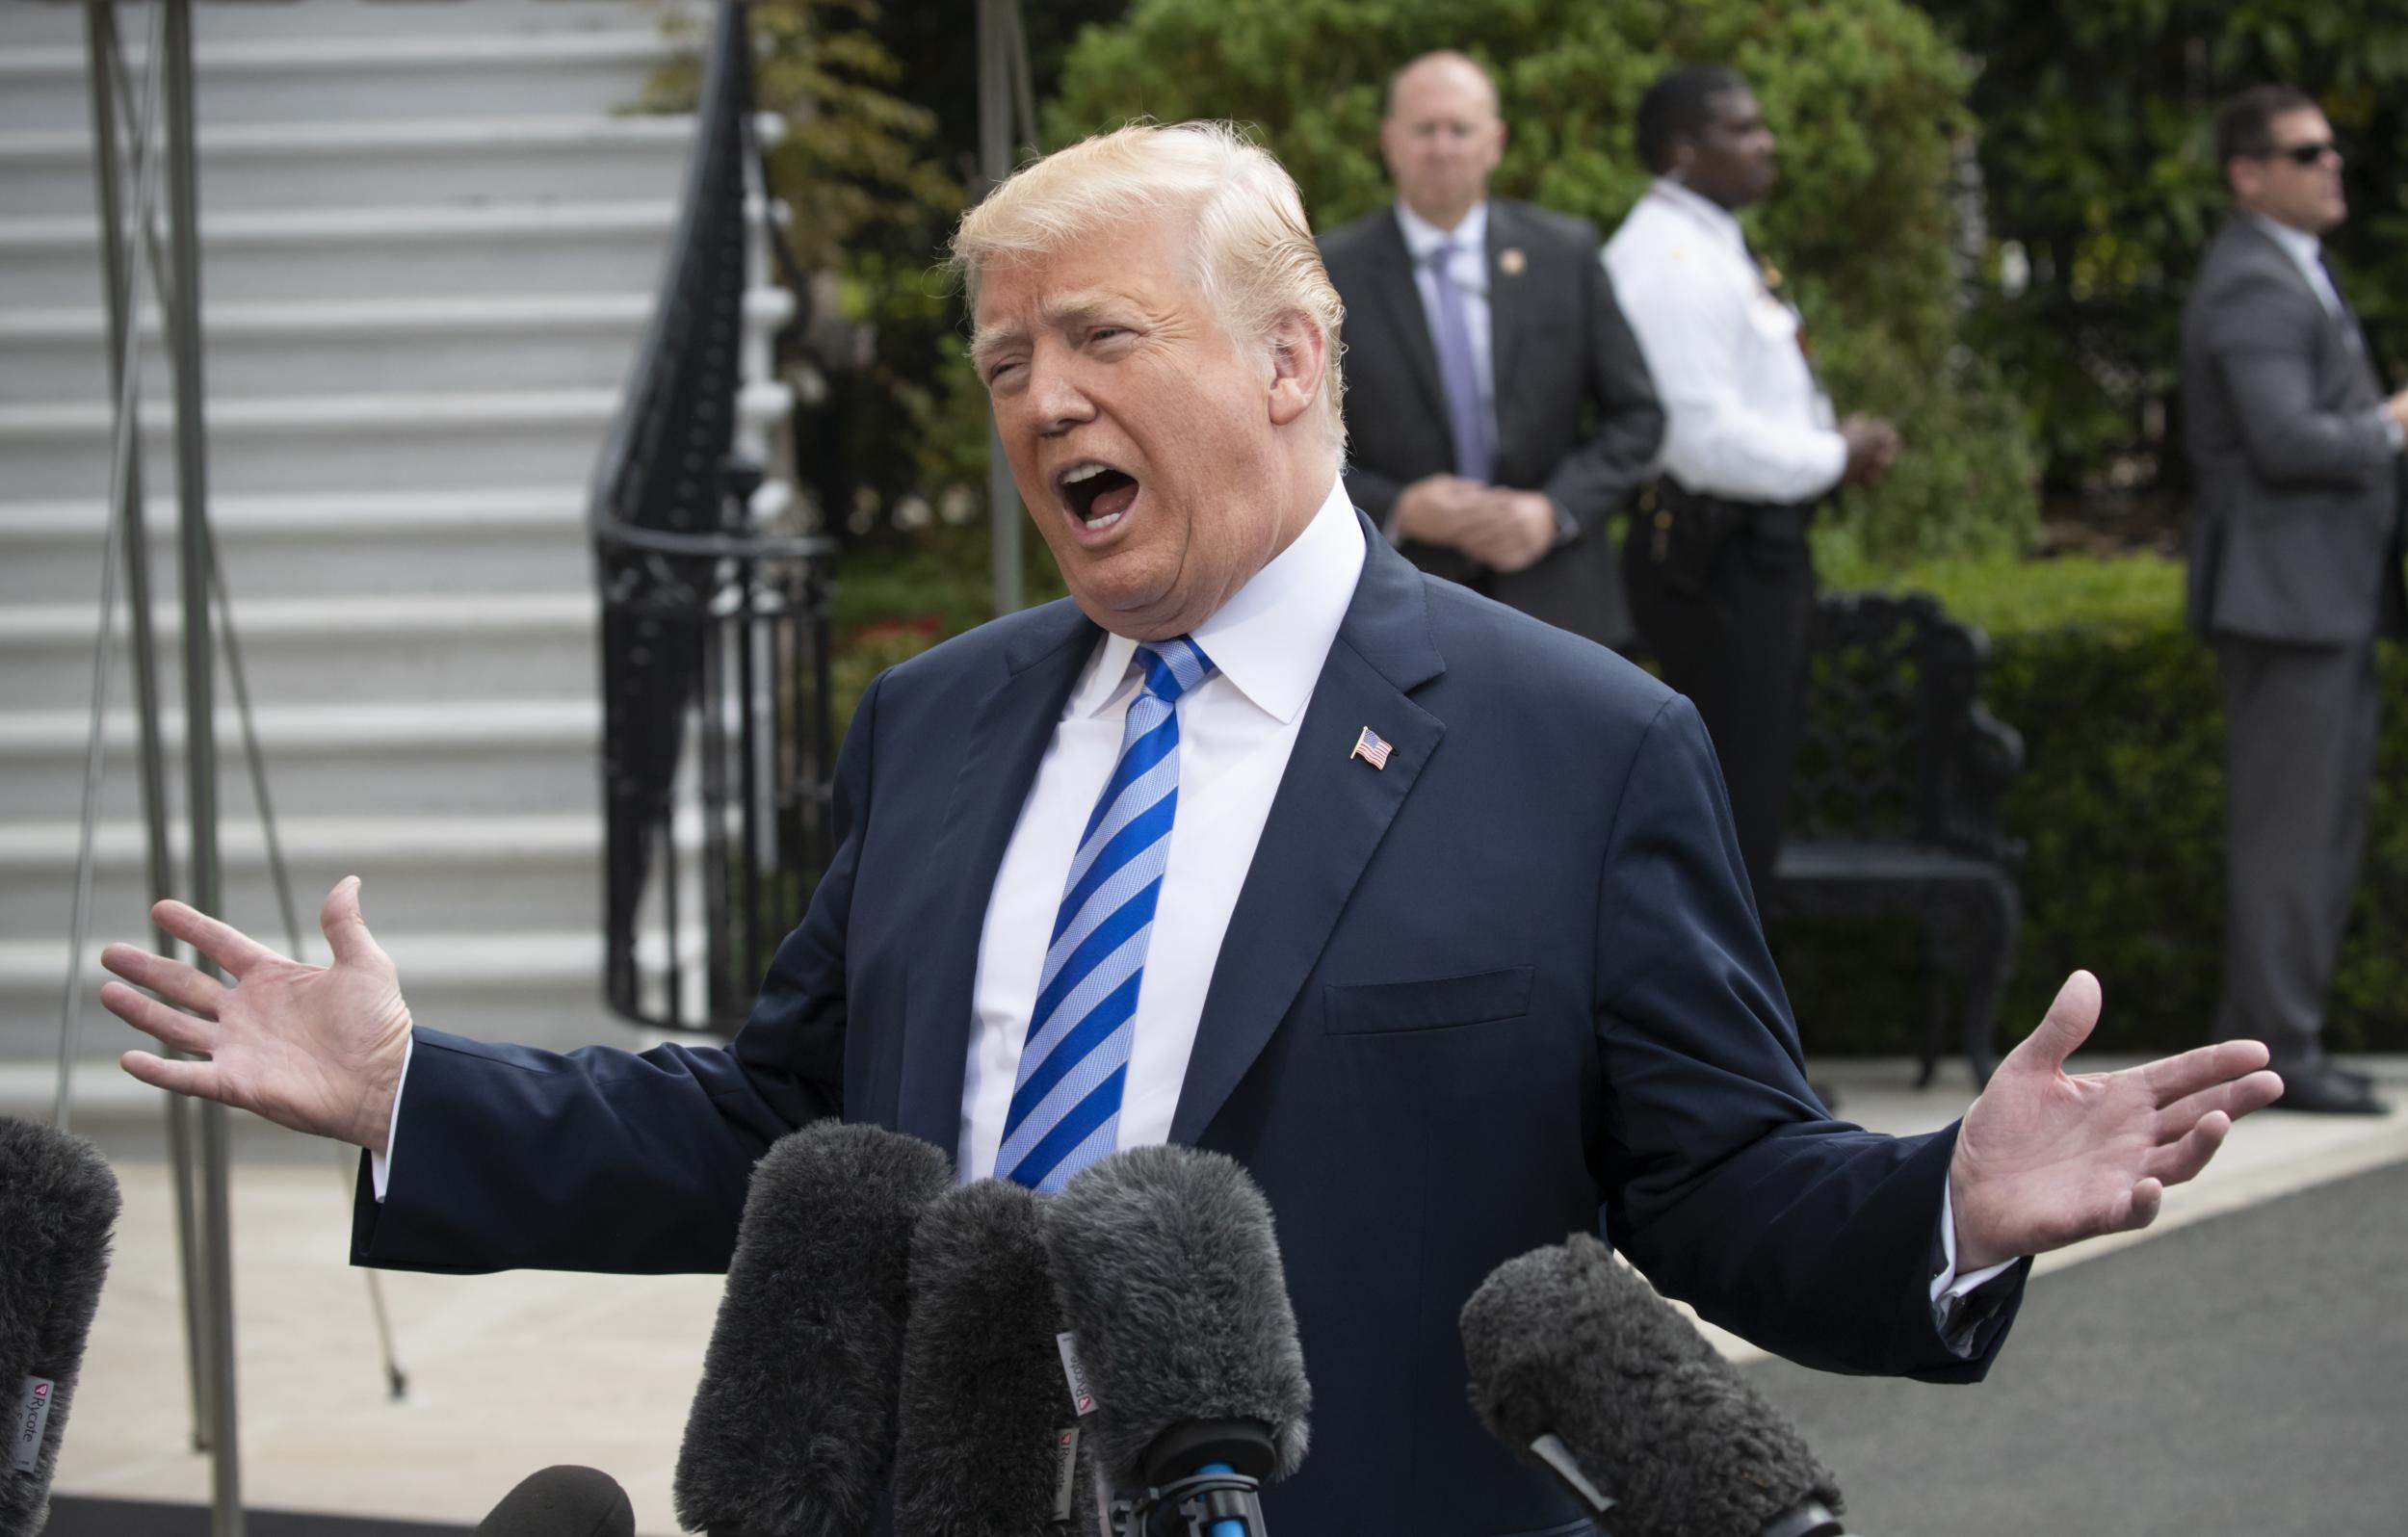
2046 1159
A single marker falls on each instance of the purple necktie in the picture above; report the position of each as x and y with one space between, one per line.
1465 420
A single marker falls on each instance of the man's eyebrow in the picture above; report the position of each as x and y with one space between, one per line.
1066 312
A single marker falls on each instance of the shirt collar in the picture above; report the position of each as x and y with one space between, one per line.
1270 638
1704 210
1422 237
2303 247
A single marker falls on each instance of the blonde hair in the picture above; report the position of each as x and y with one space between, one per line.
1254 255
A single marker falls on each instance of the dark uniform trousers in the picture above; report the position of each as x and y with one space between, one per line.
1730 633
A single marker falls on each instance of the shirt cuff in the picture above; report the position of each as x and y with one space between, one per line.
2393 434
381 1164
1948 1283
1949 1289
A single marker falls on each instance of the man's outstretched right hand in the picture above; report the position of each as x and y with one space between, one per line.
318 1049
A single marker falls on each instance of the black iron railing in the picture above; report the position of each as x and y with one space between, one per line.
715 736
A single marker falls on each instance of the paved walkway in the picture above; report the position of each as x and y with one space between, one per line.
511 1372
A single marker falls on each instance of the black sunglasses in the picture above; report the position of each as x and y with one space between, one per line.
2304 154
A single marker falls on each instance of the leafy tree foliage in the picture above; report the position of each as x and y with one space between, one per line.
2096 153
1868 100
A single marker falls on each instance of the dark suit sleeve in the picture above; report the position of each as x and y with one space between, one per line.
1598 476
505 1158
2261 333
1728 1183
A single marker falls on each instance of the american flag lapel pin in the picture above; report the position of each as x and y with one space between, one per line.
1370 749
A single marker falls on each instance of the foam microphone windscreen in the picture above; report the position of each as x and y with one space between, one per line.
792 1433
1167 1267
563 1501
988 1435
58 1203
1567 1341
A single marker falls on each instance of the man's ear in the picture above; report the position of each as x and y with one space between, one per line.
1299 351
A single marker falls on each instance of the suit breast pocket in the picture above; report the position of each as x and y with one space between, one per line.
1442 1003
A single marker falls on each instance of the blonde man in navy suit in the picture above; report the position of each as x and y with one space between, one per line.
1444 937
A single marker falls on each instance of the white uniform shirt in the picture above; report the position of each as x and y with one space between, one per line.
1744 417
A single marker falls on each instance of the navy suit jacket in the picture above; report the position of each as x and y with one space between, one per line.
1511 987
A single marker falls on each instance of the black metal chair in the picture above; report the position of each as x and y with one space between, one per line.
1898 803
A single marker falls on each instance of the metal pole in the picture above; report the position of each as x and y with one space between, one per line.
996 35
192 480
101 49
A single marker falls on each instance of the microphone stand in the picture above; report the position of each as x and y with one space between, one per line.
204 1235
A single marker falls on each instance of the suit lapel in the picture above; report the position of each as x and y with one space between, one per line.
1328 818
1000 753
2343 326
1392 286
1509 295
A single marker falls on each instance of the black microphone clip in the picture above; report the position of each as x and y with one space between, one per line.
1226 1461
1192 1507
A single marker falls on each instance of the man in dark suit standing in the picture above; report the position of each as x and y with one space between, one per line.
1262 842
1498 410
2294 572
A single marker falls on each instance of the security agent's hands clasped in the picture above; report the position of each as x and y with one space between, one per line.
1502 528
318 1049
2046 1160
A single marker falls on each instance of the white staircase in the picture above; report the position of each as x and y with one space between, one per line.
430 237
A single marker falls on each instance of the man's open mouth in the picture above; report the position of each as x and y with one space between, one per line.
1095 493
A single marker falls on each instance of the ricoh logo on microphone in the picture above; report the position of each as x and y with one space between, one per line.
32 1418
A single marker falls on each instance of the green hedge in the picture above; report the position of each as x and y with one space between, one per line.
2121 807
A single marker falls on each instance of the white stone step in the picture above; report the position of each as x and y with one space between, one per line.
540 987
573 341
327 443
446 441
56 23
466 874
451 757
315 651
605 246
317 544
352 163
288 79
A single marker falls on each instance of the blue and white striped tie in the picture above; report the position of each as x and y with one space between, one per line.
1065 1101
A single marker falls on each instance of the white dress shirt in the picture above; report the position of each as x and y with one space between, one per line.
1236 730
1469 268
2307 253
1743 416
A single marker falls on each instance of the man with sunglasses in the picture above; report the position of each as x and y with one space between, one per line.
2294 573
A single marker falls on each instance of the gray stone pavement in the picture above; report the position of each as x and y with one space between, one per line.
2248 1373
511 1372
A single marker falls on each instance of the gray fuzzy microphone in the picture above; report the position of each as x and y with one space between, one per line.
1167 1267
1583 1373
58 1203
792 1433
989 1431
563 1501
